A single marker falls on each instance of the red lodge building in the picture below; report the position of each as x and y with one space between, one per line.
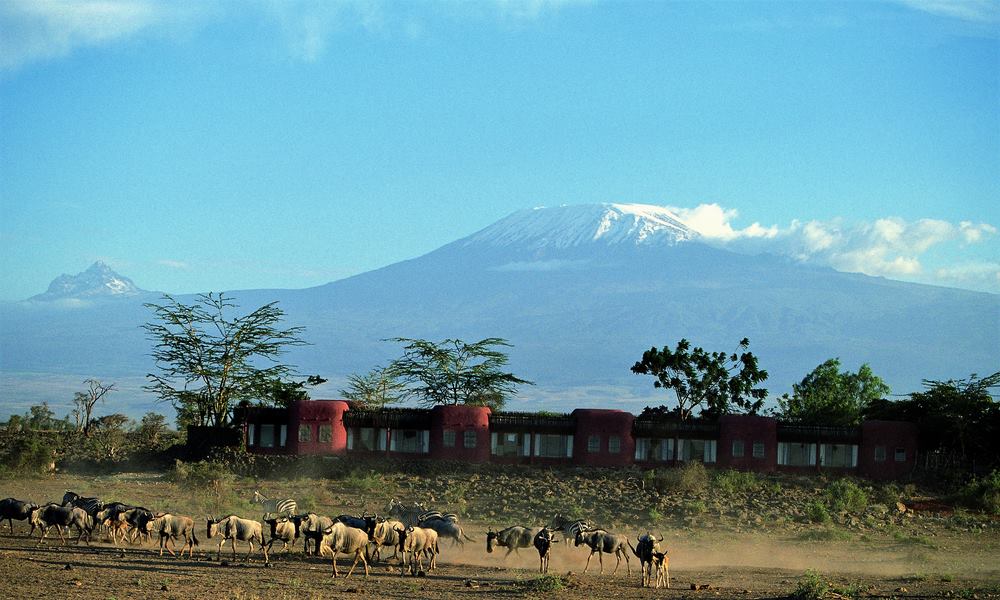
584 437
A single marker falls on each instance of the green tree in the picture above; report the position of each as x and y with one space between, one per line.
109 439
284 393
715 381
150 432
828 396
958 417
374 389
209 361
455 372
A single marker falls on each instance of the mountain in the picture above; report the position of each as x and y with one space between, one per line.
580 292
97 281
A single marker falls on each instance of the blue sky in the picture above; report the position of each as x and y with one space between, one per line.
200 146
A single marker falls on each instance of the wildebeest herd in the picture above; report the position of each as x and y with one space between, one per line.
412 532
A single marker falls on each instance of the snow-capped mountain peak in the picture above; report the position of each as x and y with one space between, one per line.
577 225
97 281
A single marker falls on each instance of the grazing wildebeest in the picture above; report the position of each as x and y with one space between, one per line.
54 515
543 543
284 530
418 541
12 508
234 528
602 542
512 538
383 533
171 527
312 529
568 527
644 549
349 540
279 506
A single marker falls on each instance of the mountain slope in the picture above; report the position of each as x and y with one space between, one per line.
580 292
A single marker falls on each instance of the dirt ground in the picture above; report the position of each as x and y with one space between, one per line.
705 563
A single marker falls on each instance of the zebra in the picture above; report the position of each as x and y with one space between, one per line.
569 527
286 507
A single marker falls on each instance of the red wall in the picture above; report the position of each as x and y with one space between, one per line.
315 413
749 429
460 418
603 423
890 435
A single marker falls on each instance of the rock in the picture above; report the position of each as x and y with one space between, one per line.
471 583
164 588
901 507
68 567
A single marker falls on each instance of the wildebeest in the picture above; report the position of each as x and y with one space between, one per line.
644 549
512 538
284 530
568 527
171 527
602 542
54 515
12 508
312 528
661 564
447 528
139 521
383 533
418 541
349 540
234 528
286 506
542 541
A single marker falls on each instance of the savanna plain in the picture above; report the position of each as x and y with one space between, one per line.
728 535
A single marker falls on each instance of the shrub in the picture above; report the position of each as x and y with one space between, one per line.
695 507
693 478
828 534
203 472
817 513
811 587
983 494
731 482
845 495
543 583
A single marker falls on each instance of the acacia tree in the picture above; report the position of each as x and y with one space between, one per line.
209 361
827 396
84 403
374 389
455 372
715 381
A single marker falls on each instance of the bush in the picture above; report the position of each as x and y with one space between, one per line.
201 473
982 494
817 513
27 454
693 478
731 482
845 495
811 587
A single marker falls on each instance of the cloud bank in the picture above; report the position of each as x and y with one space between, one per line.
890 247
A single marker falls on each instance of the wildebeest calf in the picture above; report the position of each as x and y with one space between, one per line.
543 543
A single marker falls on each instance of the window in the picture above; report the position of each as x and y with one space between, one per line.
614 444
267 436
409 440
365 439
900 454
758 449
470 438
553 445
594 443
448 438
283 435
879 453
305 433
697 451
737 448
796 455
838 455
326 433
510 444
250 432
654 449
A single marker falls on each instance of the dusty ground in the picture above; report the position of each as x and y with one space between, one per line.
943 563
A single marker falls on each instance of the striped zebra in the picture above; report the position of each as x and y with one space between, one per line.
569 527
433 515
286 507
91 506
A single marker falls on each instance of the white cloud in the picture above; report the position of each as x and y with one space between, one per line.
973 233
173 264
977 11
714 222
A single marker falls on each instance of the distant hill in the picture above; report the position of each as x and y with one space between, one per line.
581 292
99 281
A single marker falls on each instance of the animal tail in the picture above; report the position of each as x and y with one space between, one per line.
632 548
194 538
462 531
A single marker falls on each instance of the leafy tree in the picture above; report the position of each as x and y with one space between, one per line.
110 438
209 361
959 418
827 396
85 401
716 381
374 389
41 418
455 372
284 393
150 431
